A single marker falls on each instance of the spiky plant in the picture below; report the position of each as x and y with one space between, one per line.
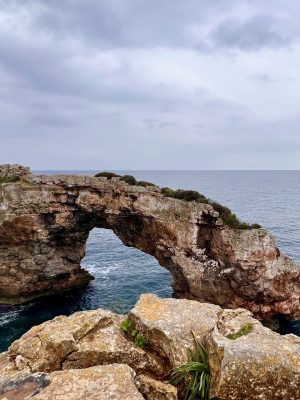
195 374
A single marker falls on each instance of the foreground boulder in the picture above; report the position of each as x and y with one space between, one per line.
247 360
170 325
45 222
84 339
114 381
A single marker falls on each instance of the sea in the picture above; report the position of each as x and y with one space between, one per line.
270 198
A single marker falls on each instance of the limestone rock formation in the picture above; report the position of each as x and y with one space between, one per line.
257 365
152 316
114 381
84 339
45 222
245 364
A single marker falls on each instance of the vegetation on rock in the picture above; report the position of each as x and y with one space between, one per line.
129 179
9 179
145 183
245 330
195 374
228 217
128 327
107 175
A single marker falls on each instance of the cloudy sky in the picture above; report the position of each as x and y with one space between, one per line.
139 84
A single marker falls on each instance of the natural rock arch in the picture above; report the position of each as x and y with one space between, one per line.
45 222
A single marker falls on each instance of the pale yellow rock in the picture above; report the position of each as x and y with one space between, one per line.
115 381
259 365
81 340
153 389
168 325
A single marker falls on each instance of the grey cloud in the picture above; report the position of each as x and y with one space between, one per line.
140 23
255 33
108 80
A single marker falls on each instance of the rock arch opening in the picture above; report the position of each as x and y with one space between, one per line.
121 273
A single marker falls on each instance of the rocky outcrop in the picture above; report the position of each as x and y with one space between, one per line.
114 381
169 326
45 222
84 339
246 364
257 365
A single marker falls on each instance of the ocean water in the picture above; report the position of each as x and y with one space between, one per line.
270 198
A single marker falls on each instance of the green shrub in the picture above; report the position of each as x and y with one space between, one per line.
228 217
129 179
195 374
145 183
189 195
222 210
9 179
128 327
255 226
180 194
139 340
167 192
245 330
107 175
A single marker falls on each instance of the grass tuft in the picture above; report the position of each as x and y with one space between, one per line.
245 330
195 374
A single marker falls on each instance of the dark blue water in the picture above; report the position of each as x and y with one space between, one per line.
270 198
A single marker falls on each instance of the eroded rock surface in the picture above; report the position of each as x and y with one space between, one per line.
257 364
45 222
84 339
114 381
170 325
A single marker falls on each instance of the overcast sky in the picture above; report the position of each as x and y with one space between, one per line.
139 84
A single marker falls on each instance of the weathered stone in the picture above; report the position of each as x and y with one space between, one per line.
12 171
153 389
258 365
247 360
115 381
170 325
82 340
45 222
8 367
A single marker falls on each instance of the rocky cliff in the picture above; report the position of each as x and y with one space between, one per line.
45 222
89 355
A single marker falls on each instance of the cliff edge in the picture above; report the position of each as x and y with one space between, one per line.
45 222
